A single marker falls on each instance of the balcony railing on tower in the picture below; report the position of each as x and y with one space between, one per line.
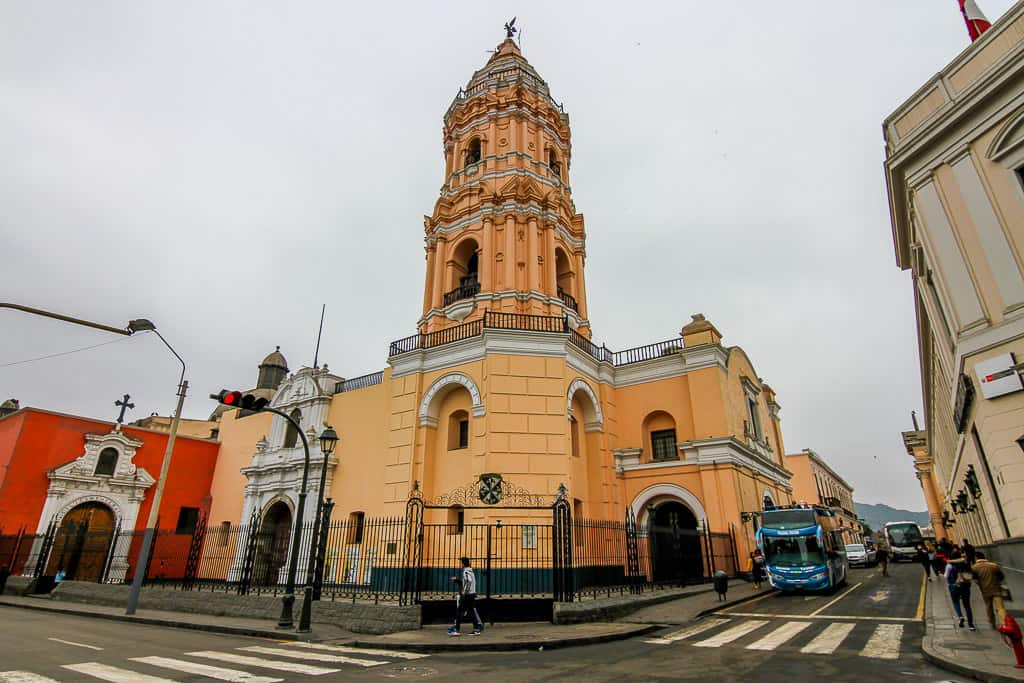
496 320
467 289
569 300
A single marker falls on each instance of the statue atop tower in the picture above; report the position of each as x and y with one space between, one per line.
504 234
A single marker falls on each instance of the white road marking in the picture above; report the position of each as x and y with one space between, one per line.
71 642
397 654
880 596
113 674
24 677
779 635
828 640
315 656
731 634
293 667
837 599
687 632
206 670
830 617
884 643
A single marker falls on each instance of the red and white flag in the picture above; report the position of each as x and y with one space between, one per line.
976 21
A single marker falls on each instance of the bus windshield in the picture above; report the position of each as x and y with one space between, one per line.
904 534
788 519
793 551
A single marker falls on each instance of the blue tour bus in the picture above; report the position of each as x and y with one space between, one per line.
803 549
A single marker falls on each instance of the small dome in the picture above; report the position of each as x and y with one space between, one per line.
275 359
273 370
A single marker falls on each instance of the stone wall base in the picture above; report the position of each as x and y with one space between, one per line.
19 585
355 617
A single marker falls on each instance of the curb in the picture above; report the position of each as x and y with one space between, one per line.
732 603
151 621
484 646
949 665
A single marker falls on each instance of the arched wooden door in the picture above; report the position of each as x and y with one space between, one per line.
272 545
81 544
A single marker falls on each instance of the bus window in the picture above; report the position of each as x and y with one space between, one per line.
798 551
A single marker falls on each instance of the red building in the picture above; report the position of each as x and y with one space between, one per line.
73 491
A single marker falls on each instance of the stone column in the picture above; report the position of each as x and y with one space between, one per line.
532 253
440 258
486 257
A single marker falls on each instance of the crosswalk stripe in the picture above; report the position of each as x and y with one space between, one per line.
687 632
293 667
884 643
233 675
23 677
828 640
113 674
731 634
779 635
396 654
315 656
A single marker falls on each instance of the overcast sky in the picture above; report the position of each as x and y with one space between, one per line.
224 168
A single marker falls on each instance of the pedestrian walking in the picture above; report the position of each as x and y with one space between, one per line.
466 601
883 559
990 577
756 567
4 573
970 552
958 580
721 580
922 558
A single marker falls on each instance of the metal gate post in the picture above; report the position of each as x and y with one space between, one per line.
195 548
110 554
245 581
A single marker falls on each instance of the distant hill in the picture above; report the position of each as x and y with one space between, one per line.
877 515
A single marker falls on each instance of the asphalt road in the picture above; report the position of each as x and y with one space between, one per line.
867 631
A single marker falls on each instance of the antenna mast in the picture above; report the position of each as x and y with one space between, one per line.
316 354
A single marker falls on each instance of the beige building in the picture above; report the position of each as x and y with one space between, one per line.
954 165
816 483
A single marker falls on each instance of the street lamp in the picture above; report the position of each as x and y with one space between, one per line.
328 442
142 565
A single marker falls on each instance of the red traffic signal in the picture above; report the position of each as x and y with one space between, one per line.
236 399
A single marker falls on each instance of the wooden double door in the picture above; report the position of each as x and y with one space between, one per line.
81 545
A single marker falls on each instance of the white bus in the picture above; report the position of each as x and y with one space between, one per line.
903 539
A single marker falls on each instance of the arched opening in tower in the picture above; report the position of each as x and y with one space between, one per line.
556 168
565 278
473 152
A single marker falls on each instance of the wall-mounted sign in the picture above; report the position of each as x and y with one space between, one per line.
997 376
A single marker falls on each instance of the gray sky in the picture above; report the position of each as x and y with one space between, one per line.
224 168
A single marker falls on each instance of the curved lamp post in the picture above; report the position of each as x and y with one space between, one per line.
328 442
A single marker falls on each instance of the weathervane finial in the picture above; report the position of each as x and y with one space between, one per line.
510 28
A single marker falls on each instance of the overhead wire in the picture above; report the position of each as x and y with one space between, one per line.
62 353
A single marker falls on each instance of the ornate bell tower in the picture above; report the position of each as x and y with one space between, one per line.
505 235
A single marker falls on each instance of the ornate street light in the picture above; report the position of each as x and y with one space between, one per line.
328 442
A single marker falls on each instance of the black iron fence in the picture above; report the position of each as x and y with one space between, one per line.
552 557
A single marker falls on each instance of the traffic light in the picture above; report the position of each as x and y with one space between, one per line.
236 399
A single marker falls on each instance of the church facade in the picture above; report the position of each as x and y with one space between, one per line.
502 392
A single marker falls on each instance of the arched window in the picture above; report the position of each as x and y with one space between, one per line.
473 152
458 430
553 164
291 434
660 429
107 462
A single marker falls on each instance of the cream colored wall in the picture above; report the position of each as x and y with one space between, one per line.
238 439
1000 422
804 489
739 366
637 402
361 419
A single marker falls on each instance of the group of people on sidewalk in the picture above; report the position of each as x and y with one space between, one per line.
960 566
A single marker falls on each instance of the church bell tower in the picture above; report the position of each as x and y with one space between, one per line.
504 235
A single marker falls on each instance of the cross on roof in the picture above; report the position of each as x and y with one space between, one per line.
125 405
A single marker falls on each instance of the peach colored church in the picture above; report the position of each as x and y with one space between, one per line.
501 397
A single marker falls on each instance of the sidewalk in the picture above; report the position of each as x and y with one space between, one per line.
978 654
676 606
